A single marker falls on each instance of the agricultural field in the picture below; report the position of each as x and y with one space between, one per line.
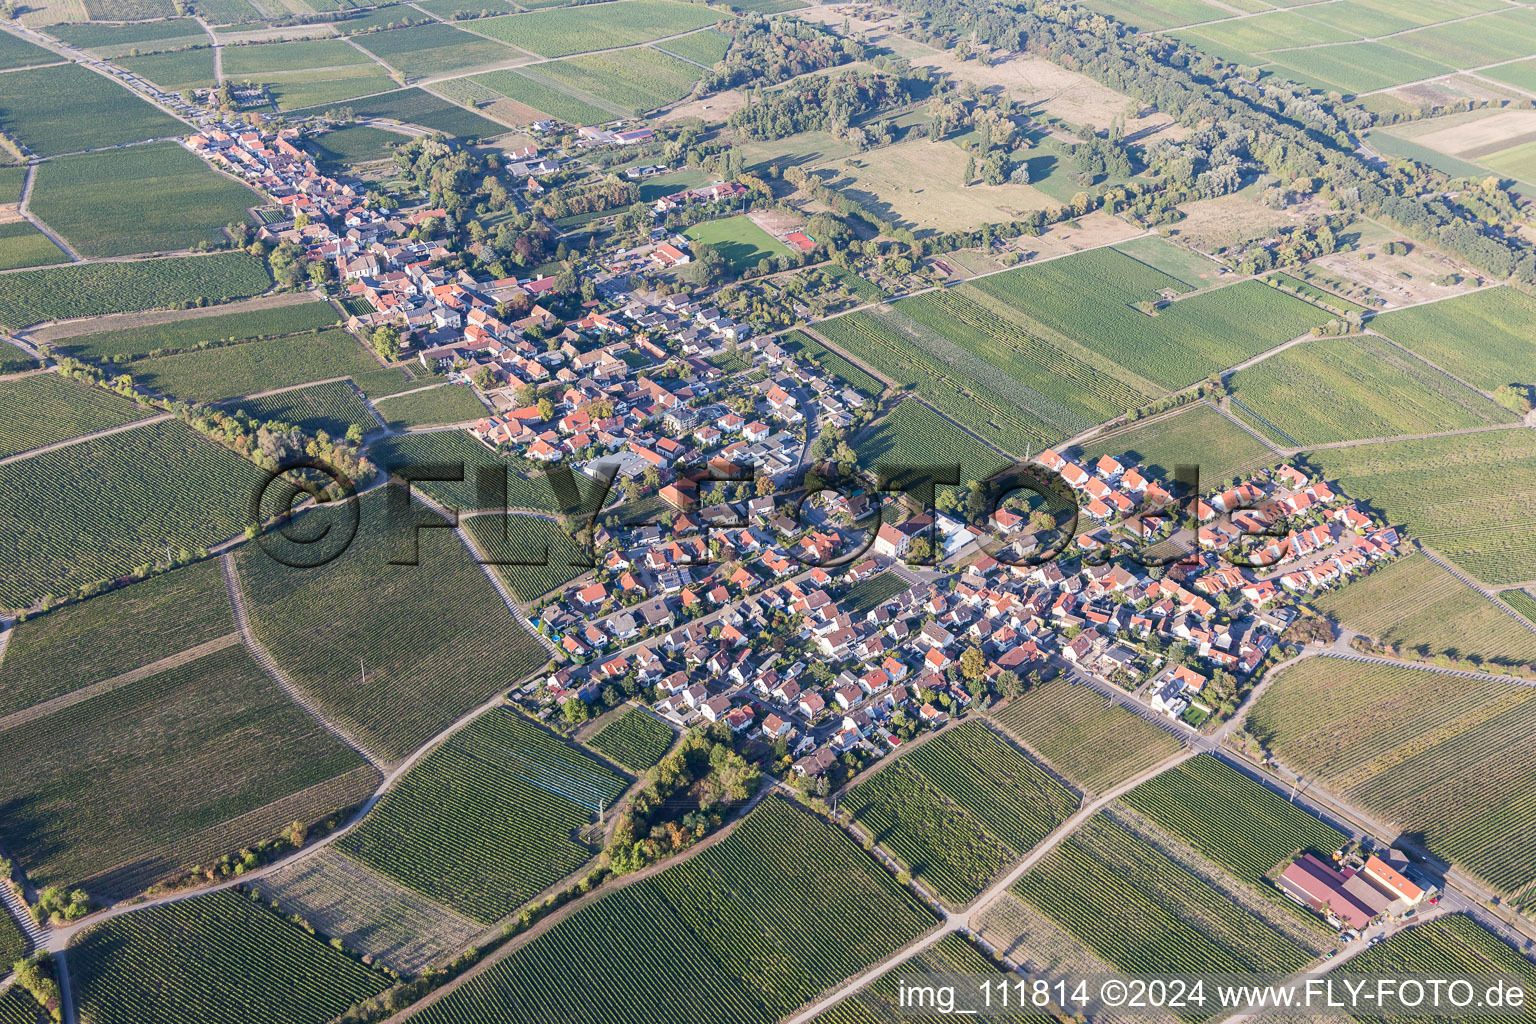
958 807
1226 816
1157 14
450 403
1199 435
1092 742
808 348
635 739
534 539
707 47
744 932
1444 757
14 946
175 200
180 762
16 1004
1187 266
18 53
370 914
128 10
192 331
416 106
455 446
914 435
1346 389
334 408
1483 337
741 242
175 70
486 822
14 360
1090 298
538 98
256 61
231 371
568 30
294 90
434 49
1522 602
354 144
952 956
1464 496
95 289
634 80
423 670
12 178
1417 607
1141 912
1356 67
76 645
1313 294
44 408
171 963
168 485
868 594
1454 945
67 108
22 245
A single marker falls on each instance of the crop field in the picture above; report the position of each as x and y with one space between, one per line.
867 594
354 144
1357 67
1200 435
424 670
171 963
914 435
1141 912
707 47
568 30
68 108
12 177
230 371
174 70
370 914
44 408
958 807
1089 298
94 289
167 485
16 1004
113 633
434 48
1185 265
242 62
953 955
1522 602
542 98
1312 293
740 241
1464 496
416 106
1346 389
636 739
1243 826
633 80
806 347
22 245
332 407
783 908
180 335
1148 15
1444 757
171 757
451 403
1094 743
18 53
888 343
1416 606
1466 44
521 538
455 446
1454 945
1483 338
487 821
293 90
128 10
13 947
153 198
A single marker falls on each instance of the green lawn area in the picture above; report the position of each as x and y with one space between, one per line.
68 108
149 198
740 241
22 245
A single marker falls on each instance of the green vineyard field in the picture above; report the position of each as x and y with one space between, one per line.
1094 743
44 408
636 740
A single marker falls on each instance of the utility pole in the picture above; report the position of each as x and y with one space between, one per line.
1293 788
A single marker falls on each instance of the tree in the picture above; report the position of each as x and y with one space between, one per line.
546 409
970 170
576 710
973 664
386 342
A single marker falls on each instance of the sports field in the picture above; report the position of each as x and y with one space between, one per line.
741 242
154 198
